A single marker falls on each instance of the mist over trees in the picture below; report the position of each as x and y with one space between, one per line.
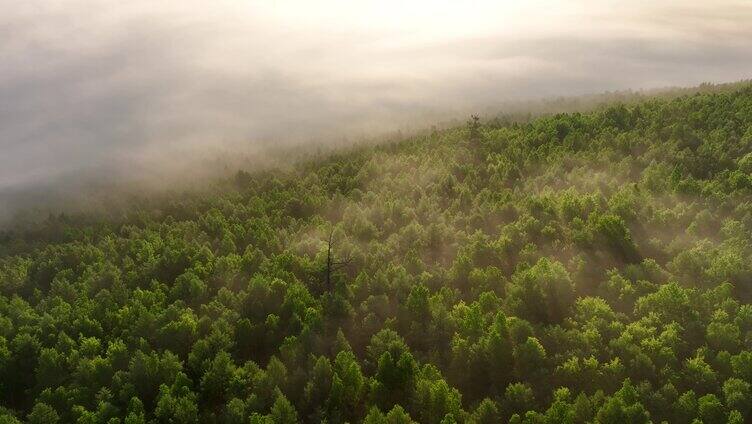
579 267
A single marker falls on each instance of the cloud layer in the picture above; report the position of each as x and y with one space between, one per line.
101 84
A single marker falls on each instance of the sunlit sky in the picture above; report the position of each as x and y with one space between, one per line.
105 83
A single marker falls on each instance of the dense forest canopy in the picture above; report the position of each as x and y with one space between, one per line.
580 267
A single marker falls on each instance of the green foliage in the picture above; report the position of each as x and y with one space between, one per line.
544 293
581 267
623 407
43 414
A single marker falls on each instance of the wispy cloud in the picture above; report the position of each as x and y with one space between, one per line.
105 84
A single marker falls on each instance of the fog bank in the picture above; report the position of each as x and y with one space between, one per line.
129 89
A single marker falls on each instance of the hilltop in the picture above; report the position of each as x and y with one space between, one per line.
588 266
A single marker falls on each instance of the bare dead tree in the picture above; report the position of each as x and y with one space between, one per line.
473 127
333 265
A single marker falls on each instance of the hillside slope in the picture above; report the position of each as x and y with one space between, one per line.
578 268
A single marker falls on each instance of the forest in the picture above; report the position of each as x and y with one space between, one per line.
579 267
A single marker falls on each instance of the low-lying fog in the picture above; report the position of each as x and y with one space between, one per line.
154 90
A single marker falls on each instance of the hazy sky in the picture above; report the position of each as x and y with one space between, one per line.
108 83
